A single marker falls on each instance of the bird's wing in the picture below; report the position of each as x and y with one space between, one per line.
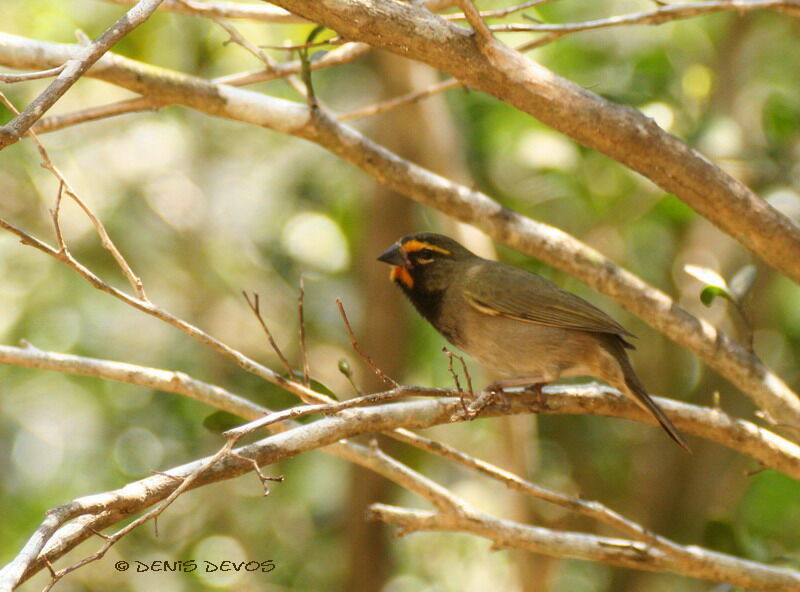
527 297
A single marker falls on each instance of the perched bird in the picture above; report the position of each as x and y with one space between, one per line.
515 322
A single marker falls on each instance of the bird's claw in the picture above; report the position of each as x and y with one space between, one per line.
540 404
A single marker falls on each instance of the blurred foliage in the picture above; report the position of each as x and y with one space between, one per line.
204 208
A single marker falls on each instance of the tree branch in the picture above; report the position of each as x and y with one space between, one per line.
229 10
662 14
693 561
153 378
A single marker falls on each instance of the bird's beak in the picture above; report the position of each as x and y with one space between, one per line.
395 255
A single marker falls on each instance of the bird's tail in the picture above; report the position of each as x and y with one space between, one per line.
637 389
641 396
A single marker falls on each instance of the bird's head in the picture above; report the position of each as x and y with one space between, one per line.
425 262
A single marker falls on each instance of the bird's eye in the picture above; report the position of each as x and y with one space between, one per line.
425 254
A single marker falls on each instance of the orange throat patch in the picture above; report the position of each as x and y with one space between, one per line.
400 274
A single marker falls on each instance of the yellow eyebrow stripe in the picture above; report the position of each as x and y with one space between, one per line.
415 245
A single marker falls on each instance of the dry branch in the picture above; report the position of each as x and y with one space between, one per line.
12 78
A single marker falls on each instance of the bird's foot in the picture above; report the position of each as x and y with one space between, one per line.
529 385
497 394
476 406
492 395
540 403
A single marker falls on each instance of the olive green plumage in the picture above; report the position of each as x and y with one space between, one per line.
515 322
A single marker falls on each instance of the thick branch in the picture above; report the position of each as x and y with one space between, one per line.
618 131
153 378
549 244
341 55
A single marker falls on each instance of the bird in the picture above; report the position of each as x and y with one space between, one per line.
515 322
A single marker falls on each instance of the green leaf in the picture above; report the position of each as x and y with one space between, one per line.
715 283
720 535
315 385
709 293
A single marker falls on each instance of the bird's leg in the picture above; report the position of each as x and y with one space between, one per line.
541 403
491 394
478 404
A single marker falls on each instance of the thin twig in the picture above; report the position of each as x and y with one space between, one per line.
332 41
254 305
396 102
487 14
452 370
544 40
332 408
380 373
663 14
236 37
57 122
105 239
12 78
475 20
302 319
55 214
239 39
460 358
592 509
345 54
